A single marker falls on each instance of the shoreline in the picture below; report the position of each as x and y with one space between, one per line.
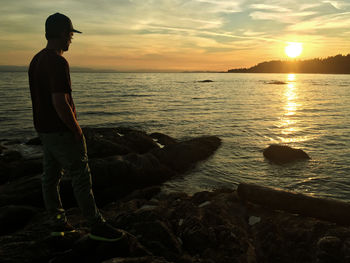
247 225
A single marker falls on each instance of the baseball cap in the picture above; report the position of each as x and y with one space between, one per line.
57 23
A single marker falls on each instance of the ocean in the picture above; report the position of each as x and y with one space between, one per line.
247 111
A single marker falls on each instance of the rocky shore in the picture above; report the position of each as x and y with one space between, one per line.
128 167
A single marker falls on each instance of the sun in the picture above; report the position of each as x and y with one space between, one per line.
293 49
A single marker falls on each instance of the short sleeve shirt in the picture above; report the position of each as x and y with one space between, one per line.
48 73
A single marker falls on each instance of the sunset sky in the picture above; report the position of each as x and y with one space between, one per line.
151 35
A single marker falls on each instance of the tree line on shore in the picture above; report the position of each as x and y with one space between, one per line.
338 64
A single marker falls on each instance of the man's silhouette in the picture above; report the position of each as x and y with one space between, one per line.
63 141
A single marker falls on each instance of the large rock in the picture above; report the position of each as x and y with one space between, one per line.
208 227
283 154
183 155
141 163
102 142
117 176
13 218
148 259
24 191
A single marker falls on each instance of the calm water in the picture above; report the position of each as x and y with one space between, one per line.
248 111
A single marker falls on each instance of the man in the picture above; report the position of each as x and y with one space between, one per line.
63 141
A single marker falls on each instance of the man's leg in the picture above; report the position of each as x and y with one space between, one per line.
72 156
52 173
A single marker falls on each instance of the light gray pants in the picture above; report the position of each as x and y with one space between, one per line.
62 153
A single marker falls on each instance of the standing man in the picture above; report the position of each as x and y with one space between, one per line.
63 141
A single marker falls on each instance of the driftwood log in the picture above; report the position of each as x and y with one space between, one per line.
320 208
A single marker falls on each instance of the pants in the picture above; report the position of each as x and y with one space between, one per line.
62 153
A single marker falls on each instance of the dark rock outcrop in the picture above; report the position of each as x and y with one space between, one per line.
13 218
181 156
281 154
210 227
163 139
121 161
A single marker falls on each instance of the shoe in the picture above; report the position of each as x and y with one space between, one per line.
105 232
60 227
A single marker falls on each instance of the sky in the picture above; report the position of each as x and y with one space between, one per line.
177 35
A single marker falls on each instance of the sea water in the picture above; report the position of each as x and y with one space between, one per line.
247 111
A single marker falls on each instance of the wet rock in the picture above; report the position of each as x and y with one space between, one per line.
2 148
330 250
163 139
281 154
103 142
117 176
183 155
276 82
5 172
206 80
139 141
13 218
11 156
26 168
158 238
24 191
138 260
89 250
34 141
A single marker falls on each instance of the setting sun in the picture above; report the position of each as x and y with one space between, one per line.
293 49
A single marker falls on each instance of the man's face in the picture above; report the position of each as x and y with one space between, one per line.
66 40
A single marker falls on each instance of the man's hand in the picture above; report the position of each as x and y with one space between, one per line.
78 134
65 112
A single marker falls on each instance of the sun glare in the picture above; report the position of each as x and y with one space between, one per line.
293 49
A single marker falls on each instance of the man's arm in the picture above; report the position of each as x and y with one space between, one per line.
65 112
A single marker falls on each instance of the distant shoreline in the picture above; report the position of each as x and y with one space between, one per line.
338 64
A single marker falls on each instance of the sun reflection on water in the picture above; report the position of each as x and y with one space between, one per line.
289 122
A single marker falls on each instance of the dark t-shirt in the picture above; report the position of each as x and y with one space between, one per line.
48 73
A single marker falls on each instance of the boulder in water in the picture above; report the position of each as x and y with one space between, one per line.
284 154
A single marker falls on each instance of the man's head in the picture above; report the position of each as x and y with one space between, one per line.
59 27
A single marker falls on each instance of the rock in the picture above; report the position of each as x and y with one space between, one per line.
145 193
329 249
5 172
97 251
321 208
139 141
11 156
118 176
25 168
148 259
103 142
10 171
158 238
176 227
24 191
281 154
2 148
13 218
34 141
277 82
163 139
183 155
206 80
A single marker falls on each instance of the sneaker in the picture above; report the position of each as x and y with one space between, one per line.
60 227
105 232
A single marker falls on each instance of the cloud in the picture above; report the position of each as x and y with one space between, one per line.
334 21
282 17
337 4
275 8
